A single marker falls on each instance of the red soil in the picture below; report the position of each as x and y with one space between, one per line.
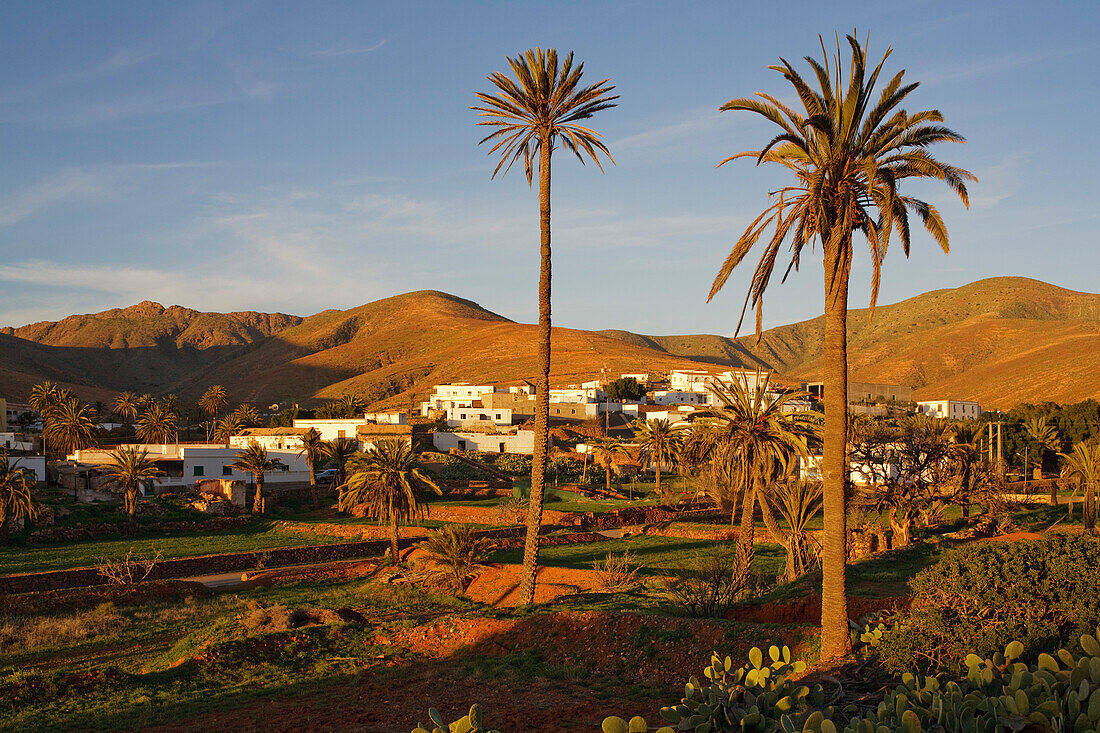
807 610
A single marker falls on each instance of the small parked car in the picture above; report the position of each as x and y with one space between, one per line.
326 476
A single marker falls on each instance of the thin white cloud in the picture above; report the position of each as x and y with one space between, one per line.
337 51
690 127
71 185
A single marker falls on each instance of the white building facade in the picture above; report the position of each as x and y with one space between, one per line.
951 409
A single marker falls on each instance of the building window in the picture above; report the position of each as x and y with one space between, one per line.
198 471
227 470
498 416
462 416
341 433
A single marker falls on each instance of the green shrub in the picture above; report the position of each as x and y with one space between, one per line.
712 583
978 598
457 554
513 464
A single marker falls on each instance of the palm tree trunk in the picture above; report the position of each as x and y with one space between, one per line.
313 484
542 388
658 477
746 534
608 471
835 639
394 549
258 501
1089 511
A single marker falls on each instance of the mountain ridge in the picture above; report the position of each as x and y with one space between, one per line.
999 340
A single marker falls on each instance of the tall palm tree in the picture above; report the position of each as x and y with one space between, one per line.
128 469
157 424
538 110
16 500
340 450
848 152
312 449
126 406
213 400
603 455
1083 466
71 426
44 398
254 460
658 441
386 486
765 439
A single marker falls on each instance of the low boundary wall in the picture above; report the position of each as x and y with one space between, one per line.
185 567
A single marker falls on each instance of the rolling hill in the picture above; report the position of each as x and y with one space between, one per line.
1000 341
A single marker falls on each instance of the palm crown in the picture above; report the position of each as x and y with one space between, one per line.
543 105
848 153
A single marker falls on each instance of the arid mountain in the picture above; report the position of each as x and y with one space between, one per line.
1001 341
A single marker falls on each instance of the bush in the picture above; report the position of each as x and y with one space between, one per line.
617 573
978 598
513 464
457 554
48 631
710 585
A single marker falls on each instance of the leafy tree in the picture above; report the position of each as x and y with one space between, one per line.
312 449
798 502
44 398
848 150
625 388
658 442
457 553
16 500
387 486
128 469
966 454
534 113
157 424
1082 465
254 460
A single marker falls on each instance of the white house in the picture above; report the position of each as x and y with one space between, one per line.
519 441
16 441
32 464
677 397
952 409
641 378
270 438
185 463
580 395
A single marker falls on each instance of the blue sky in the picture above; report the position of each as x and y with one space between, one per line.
295 157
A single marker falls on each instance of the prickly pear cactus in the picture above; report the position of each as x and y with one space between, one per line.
472 722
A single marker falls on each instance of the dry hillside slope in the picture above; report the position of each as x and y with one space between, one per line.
1001 341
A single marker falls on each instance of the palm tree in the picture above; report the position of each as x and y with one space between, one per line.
1045 436
386 486
967 456
351 405
16 500
764 439
227 427
213 400
70 426
44 398
798 502
312 449
128 469
1083 466
532 114
126 406
603 455
254 460
247 415
848 152
658 441
157 424
340 450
